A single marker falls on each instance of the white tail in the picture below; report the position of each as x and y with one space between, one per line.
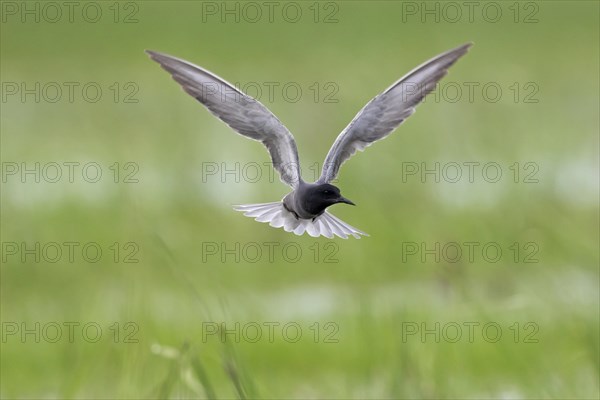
278 217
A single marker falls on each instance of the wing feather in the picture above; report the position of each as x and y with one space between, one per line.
241 112
386 111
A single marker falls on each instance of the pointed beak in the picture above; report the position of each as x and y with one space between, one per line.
345 200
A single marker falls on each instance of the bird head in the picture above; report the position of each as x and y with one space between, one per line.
321 196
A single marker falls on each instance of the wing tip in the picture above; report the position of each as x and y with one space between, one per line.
153 54
459 51
161 58
168 62
456 52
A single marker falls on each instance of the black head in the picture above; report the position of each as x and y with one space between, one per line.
319 197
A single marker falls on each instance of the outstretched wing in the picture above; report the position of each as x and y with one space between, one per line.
241 112
385 112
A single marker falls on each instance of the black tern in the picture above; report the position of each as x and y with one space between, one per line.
304 209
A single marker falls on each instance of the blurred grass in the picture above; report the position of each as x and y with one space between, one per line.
370 292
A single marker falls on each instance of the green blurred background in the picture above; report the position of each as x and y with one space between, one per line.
372 292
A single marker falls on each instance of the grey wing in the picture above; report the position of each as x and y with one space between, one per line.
385 112
241 112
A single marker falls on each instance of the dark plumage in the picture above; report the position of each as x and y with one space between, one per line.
310 200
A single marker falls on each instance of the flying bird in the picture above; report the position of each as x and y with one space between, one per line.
304 209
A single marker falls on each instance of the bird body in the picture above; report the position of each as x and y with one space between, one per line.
304 209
